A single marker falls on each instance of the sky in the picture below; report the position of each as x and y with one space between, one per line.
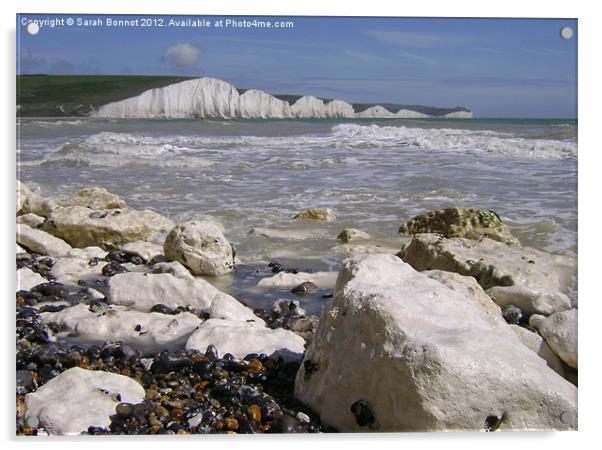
495 67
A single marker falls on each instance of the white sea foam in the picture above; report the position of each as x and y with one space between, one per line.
484 141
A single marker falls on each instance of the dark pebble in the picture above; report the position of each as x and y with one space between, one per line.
305 288
286 424
163 309
113 268
51 288
512 314
363 413
25 382
168 362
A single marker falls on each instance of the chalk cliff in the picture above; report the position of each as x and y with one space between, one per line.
208 98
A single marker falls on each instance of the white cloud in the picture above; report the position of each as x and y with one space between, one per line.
182 55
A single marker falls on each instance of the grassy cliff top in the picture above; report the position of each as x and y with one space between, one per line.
77 95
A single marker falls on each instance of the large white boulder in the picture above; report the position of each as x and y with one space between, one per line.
560 332
398 351
41 242
533 280
201 246
94 198
243 338
142 291
30 202
325 280
149 332
469 287
82 227
78 399
537 344
27 278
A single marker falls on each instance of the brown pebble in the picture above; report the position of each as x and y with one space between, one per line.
155 428
196 357
231 423
255 366
254 413
219 426
152 395
182 431
27 431
84 363
21 408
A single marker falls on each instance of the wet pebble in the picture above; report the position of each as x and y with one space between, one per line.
512 314
305 288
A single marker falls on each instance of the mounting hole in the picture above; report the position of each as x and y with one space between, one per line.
32 28
566 32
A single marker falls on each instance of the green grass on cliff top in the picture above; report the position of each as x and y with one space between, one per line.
78 95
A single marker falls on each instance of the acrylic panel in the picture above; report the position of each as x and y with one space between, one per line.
295 224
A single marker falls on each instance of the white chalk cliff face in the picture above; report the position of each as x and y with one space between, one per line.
209 98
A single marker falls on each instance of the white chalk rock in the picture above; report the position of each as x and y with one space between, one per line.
243 338
174 268
530 300
41 242
30 202
82 227
20 249
94 198
70 270
418 356
536 320
533 280
33 220
226 307
87 253
375 112
201 97
149 332
309 106
256 104
409 114
143 249
537 344
560 332
27 278
469 287
459 115
142 291
201 246
78 399
324 280
337 109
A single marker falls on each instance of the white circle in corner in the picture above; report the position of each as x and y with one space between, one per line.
566 32
33 28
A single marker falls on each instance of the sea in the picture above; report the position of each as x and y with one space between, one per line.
374 174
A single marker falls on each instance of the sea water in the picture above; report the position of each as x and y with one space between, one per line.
374 174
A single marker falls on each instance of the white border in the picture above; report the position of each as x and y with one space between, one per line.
589 192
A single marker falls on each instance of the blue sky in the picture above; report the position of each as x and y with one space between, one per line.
496 67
